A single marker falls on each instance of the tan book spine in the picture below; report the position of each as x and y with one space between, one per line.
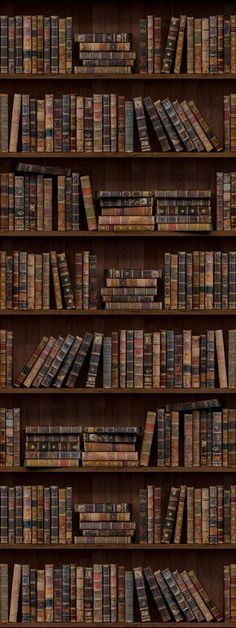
39 362
205 45
79 124
220 352
3 280
38 281
147 439
190 45
46 281
180 44
56 280
150 513
156 360
40 590
198 515
180 514
15 592
190 514
30 285
40 116
233 44
174 439
15 122
79 594
233 514
205 515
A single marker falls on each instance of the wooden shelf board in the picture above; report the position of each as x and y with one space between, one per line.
156 470
118 546
135 76
117 313
109 155
136 624
123 234
117 391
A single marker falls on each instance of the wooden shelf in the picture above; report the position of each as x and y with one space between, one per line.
130 470
109 313
113 546
117 391
135 76
136 624
123 234
134 155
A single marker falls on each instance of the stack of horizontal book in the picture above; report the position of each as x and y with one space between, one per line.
35 514
126 211
225 201
131 289
229 122
104 593
52 446
6 358
202 280
208 431
183 210
9 437
229 592
110 446
36 44
105 52
105 523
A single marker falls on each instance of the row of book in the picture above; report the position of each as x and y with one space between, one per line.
191 434
105 593
131 288
26 280
194 45
28 198
43 44
36 44
103 123
192 281
105 523
183 210
193 515
43 515
202 280
225 201
35 514
134 359
105 52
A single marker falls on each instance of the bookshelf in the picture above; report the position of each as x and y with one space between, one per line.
128 407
